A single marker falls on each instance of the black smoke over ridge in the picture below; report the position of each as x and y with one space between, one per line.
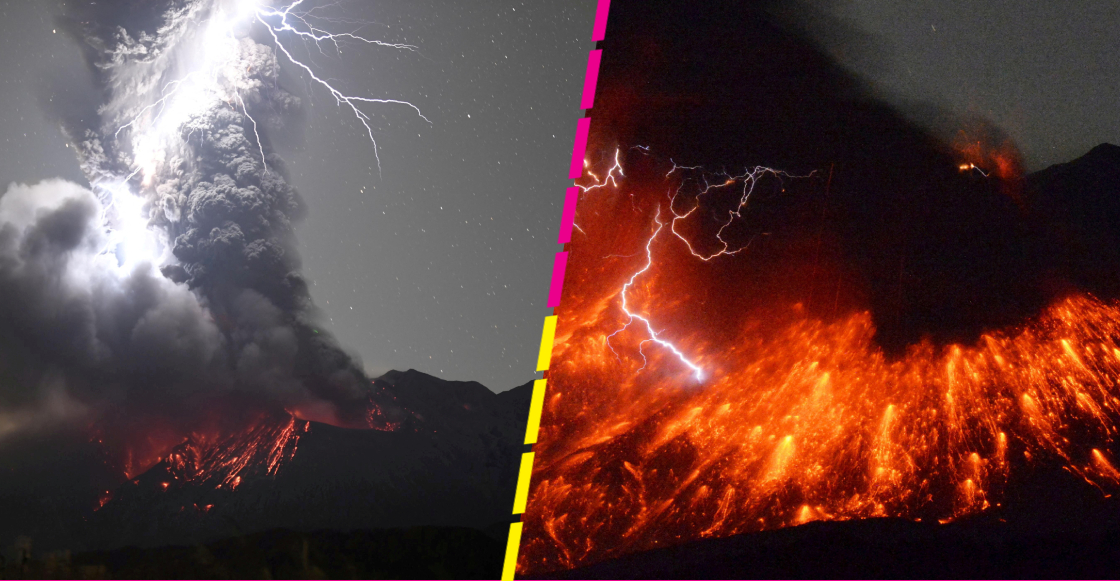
139 334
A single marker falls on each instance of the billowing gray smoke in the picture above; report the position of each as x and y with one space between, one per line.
172 281
76 332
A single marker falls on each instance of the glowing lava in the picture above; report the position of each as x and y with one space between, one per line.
982 149
801 416
225 459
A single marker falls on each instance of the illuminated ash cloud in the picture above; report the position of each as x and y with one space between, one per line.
75 328
173 280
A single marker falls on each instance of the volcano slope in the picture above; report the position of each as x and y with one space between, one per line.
451 463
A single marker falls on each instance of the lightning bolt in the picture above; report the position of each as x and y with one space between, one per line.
255 133
744 182
279 22
218 74
708 184
608 178
654 336
263 15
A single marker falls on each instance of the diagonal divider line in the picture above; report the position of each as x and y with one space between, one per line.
548 334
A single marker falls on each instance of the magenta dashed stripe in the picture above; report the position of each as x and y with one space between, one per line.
580 148
558 268
567 220
601 20
579 151
591 79
556 289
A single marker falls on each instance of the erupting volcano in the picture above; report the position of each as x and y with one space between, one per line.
158 337
800 415
787 302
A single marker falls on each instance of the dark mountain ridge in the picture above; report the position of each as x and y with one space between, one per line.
1077 208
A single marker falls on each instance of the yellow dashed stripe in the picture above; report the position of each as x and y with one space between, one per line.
522 496
547 338
511 551
535 409
536 406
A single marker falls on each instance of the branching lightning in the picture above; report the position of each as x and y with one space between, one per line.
745 183
654 336
608 178
318 35
219 71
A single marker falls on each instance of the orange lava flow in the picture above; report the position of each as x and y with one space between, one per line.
225 460
799 418
227 443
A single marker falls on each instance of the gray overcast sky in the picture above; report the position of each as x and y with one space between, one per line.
442 263
1047 73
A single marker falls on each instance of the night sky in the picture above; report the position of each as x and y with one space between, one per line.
442 262
1044 72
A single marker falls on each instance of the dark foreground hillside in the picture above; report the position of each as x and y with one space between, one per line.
873 549
1052 525
413 553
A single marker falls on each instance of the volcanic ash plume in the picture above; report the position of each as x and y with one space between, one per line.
168 293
